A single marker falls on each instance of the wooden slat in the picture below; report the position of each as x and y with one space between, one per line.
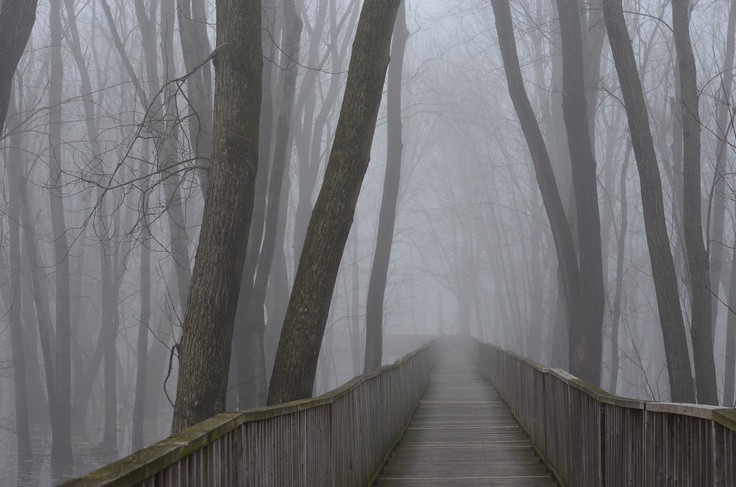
462 433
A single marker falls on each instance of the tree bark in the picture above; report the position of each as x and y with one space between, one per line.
16 22
208 321
663 268
13 304
586 334
697 255
61 445
389 199
306 316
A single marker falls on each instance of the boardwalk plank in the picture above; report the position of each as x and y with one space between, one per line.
463 434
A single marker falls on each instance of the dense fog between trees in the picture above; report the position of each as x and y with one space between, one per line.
554 177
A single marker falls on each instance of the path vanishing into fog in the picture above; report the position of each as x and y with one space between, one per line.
462 433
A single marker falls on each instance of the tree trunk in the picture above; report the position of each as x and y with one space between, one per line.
213 295
61 445
621 254
586 334
139 405
730 362
13 304
244 340
716 231
195 46
389 200
282 154
663 268
354 309
16 22
306 316
561 231
697 255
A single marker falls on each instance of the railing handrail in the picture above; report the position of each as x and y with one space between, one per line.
723 414
143 464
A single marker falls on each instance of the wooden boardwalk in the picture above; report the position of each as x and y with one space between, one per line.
463 434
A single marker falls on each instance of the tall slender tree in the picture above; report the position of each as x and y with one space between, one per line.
679 370
61 446
13 302
561 230
296 358
586 332
696 253
389 200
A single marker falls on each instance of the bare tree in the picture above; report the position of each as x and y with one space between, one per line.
697 255
208 321
586 332
329 226
61 447
663 269
16 22
387 216
13 300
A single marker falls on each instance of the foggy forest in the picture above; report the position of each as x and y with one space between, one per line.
220 205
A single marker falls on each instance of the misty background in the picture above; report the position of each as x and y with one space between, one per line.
104 155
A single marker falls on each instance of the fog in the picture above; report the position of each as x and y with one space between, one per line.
106 155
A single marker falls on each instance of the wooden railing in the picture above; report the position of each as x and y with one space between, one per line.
592 438
341 438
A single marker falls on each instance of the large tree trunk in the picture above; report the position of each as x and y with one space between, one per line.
61 445
389 200
697 255
586 334
213 295
306 316
16 22
663 267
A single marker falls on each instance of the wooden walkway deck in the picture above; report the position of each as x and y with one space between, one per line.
463 434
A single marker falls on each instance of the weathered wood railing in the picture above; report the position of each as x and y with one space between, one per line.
341 438
592 438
